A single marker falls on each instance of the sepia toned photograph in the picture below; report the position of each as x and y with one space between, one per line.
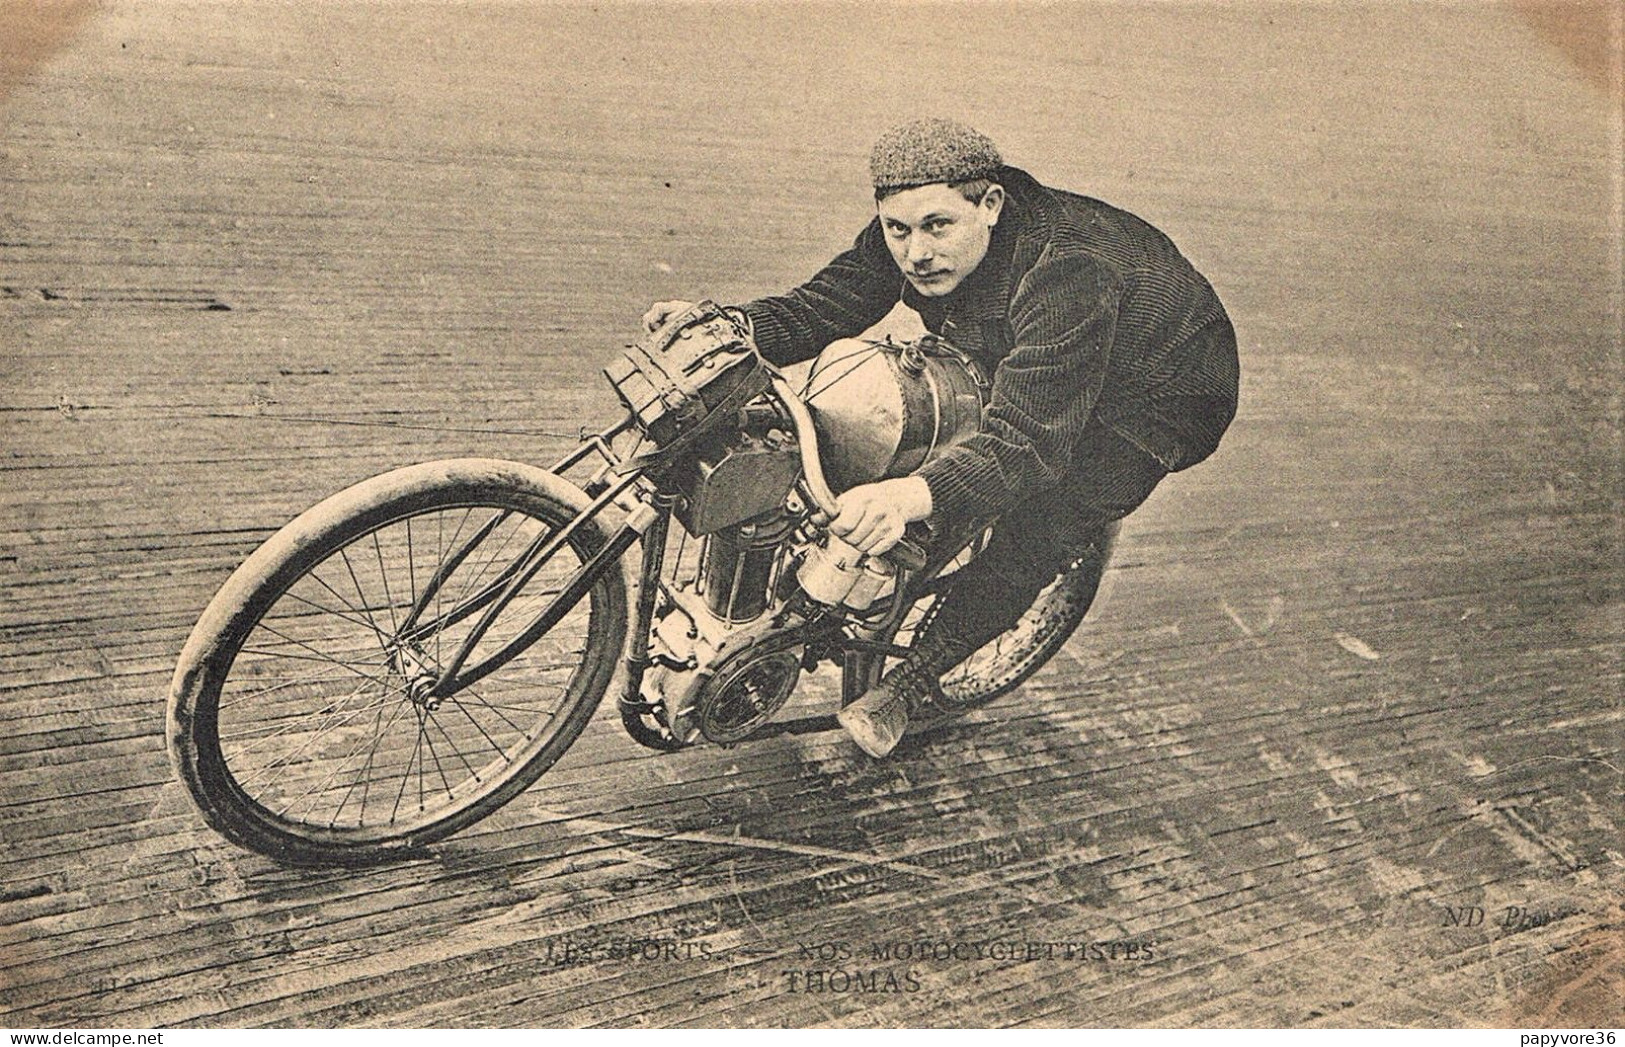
755 515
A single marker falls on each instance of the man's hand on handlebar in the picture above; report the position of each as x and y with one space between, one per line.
872 516
660 312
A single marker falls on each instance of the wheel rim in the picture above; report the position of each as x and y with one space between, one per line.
324 719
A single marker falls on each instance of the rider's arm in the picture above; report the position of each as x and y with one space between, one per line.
1064 313
845 298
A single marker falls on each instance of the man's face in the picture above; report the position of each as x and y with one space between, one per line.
936 236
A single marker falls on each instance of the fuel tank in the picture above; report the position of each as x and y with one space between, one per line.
883 408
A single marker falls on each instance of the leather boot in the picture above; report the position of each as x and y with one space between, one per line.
878 720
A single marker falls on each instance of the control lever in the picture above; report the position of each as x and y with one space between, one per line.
906 554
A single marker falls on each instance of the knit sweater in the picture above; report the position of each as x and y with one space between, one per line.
1084 314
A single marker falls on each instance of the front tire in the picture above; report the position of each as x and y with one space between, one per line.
298 717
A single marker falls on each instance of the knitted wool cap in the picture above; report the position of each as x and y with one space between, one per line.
928 151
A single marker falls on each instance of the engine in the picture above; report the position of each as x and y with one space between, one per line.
718 668
725 650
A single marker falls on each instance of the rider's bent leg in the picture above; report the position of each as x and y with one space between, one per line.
1029 547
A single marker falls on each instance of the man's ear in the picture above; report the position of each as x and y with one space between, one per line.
993 203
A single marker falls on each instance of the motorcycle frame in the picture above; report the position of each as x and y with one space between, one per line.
648 521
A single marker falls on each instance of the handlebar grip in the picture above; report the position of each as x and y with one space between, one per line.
907 555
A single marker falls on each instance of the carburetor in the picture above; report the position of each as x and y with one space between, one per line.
836 573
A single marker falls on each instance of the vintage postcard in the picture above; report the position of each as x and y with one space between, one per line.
1281 343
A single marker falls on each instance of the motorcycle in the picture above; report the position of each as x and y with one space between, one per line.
407 656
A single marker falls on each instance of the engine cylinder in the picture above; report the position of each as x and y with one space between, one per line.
739 568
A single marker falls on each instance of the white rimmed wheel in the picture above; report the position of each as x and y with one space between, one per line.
303 717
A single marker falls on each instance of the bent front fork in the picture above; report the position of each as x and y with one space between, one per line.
632 706
495 596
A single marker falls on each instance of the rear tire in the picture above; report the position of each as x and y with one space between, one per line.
297 719
1010 659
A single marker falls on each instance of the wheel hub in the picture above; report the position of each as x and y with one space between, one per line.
420 679
420 689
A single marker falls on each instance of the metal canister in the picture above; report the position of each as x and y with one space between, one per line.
876 581
830 570
836 573
882 409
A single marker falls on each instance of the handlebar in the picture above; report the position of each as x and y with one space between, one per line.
812 467
905 553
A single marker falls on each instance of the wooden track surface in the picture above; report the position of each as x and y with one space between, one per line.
1359 671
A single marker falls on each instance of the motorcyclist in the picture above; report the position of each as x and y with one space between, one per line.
1113 364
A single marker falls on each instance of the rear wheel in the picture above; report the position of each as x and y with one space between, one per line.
302 718
1011 658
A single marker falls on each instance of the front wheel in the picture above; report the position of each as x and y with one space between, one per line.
302 717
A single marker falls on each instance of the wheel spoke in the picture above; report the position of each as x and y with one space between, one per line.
351 617
315 653
317 676
323 725
372 754
471 583
457 750
383 576
428 741
286 758
378 727
331 709
480 727
439 559
411 567
316 791
406 778
265 734
315 576
481 699
383 641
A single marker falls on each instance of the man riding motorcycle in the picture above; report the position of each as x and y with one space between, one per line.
1113 364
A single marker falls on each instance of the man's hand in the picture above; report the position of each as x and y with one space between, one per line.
872 516
660 312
